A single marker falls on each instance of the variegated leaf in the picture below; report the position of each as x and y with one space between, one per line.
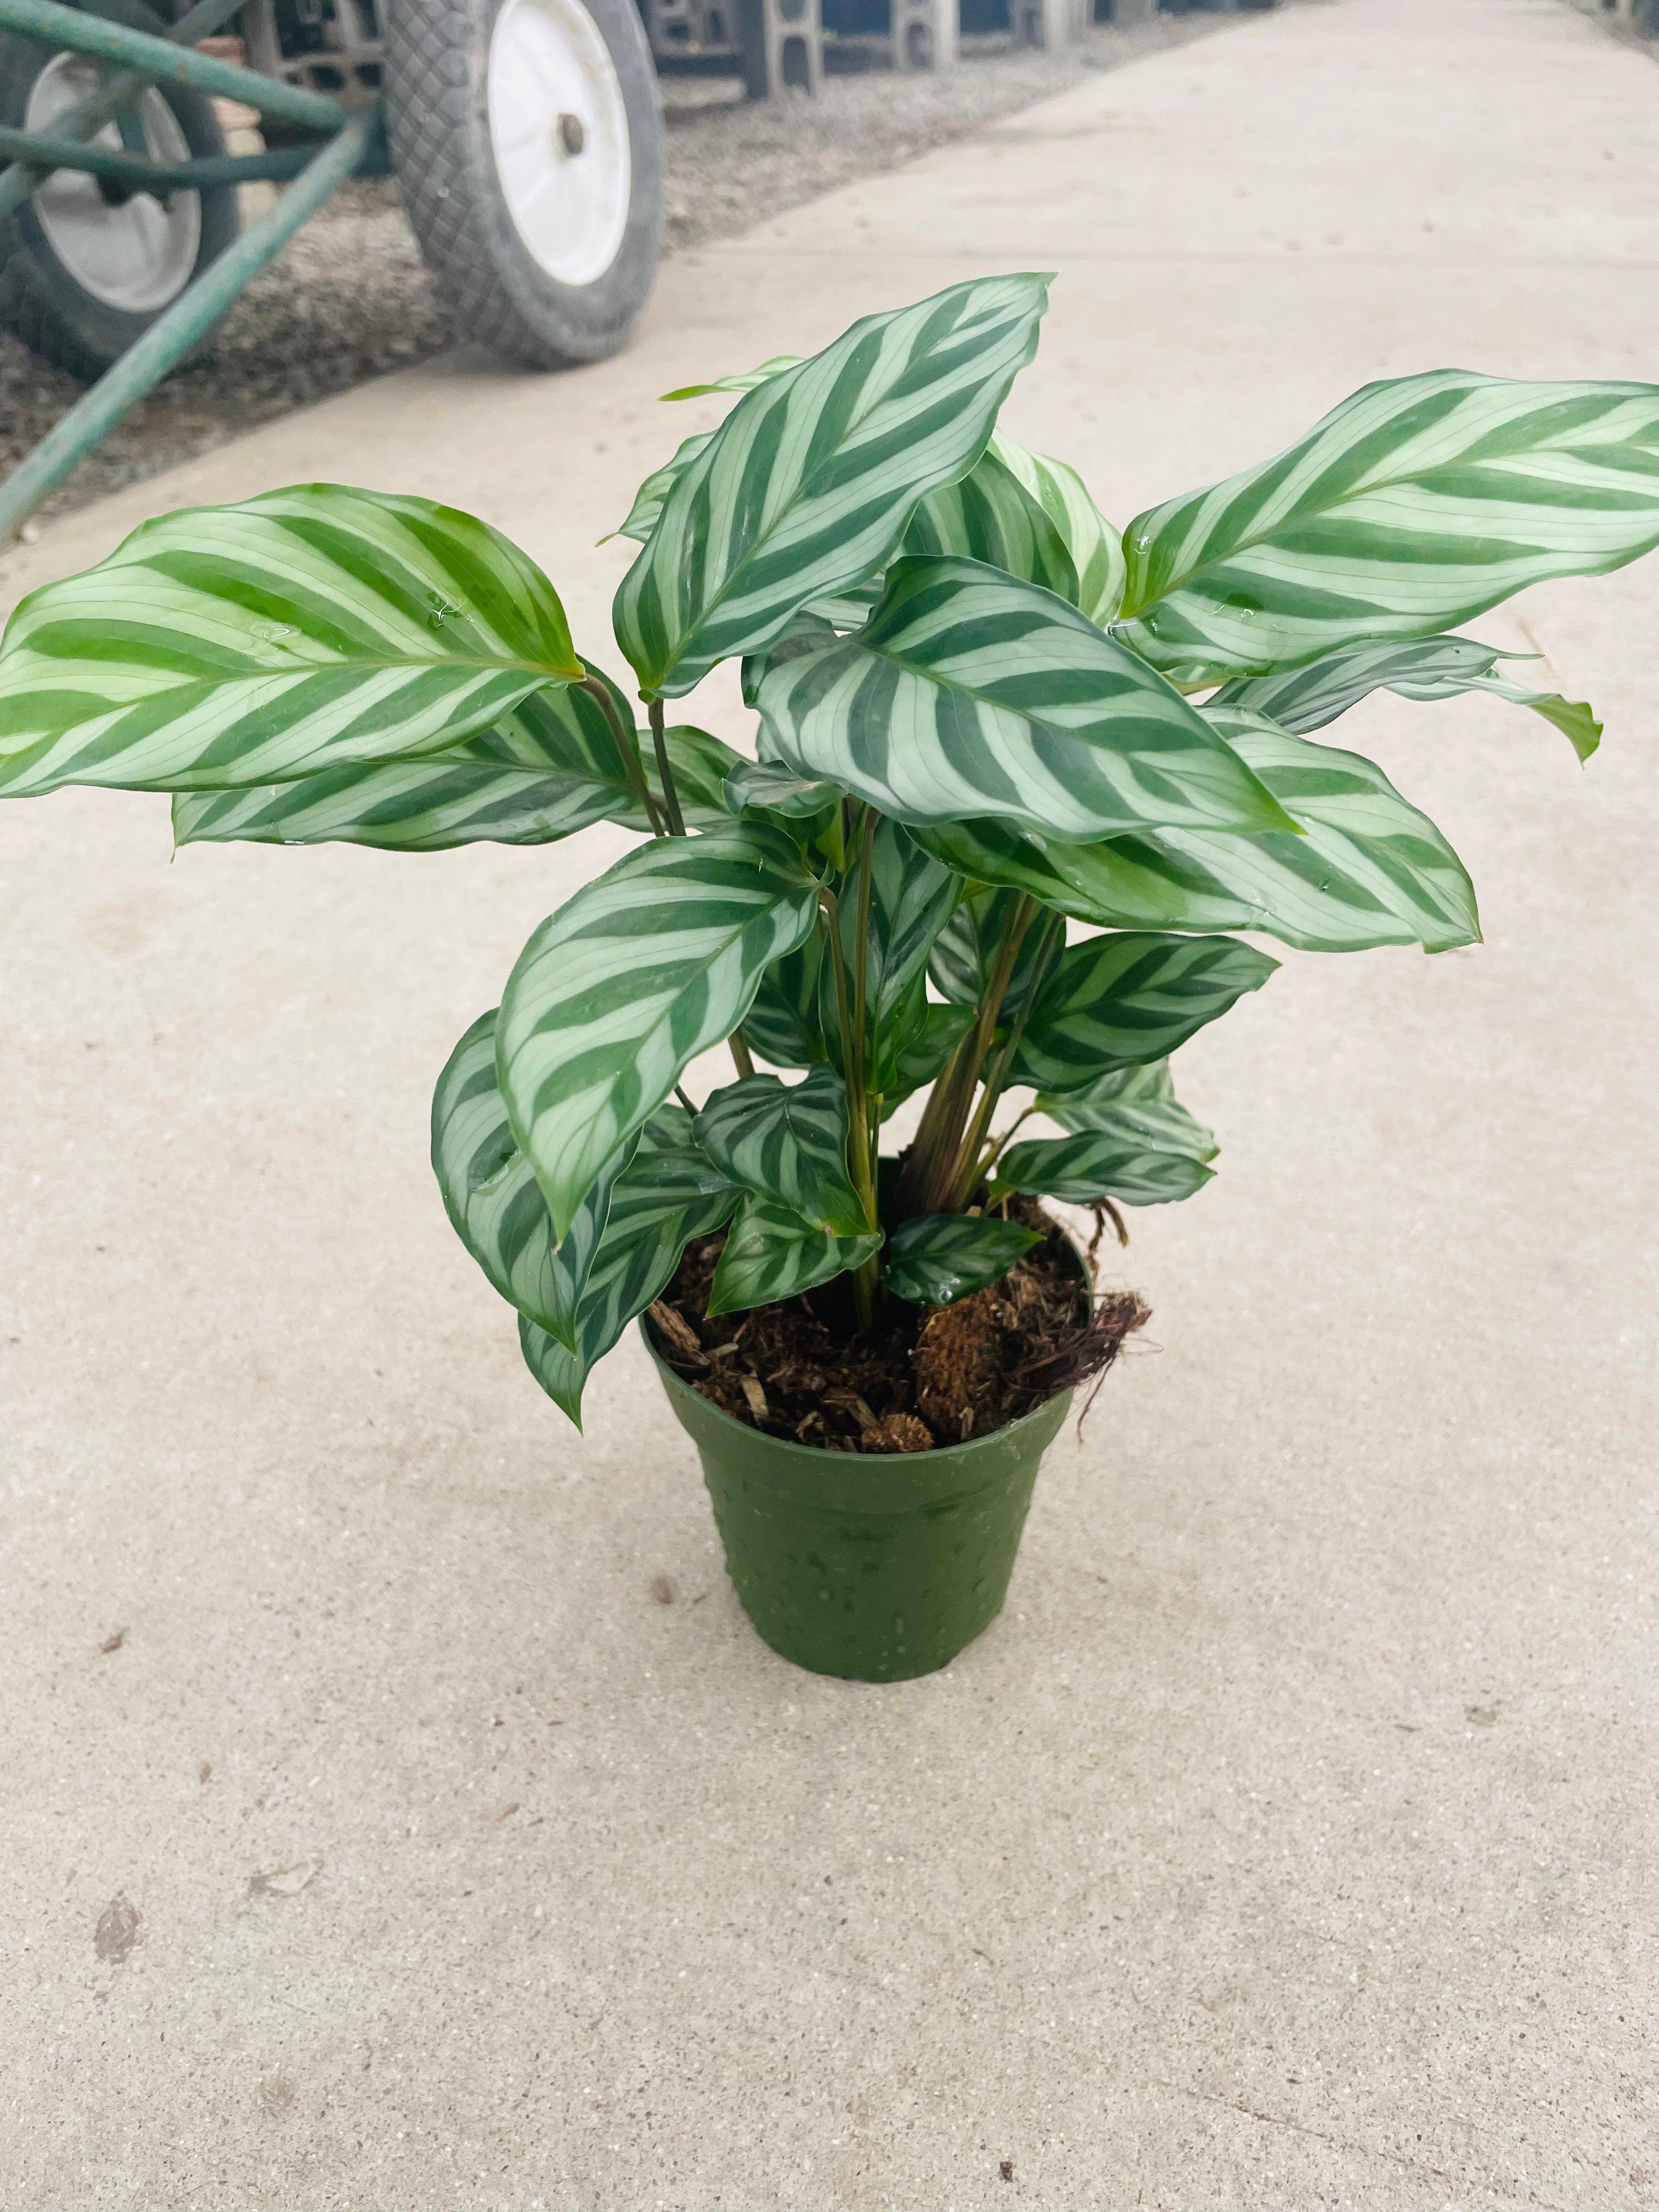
1574 718
934 1259
809 631
699 763
1416 503
1428 668
1135 1105
257 644
641 970
772 1252
665 1198
1368 870
492 1198
787 1144
783 1025
809 809
926 1041
1095 548
745 380
643 516
912 897
778 790
989 521
1079 1170
809 484
543 771
1308 696
1126 999
415 806
991 516
970 695
963 960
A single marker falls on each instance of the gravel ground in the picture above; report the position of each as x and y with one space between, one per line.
350 298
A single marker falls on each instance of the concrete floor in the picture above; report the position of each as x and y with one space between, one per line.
374 1839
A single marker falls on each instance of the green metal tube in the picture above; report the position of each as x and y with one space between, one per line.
171 336
160 60
149 176
83 122
278 166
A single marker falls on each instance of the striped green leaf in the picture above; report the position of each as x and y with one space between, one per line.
468 793
808 808
912 898
646 510
787 1144
1041 524
543 771
1095 548
969 695
783 1025
930 1035
699 763
414 807
744 380
1306 698
664 1198
778 790
991 516
1574 718
1368 869
809 631
1416 504
1079 1170
257 644
492 1198
1428 668
934 1259
772 1252
620 989
809 484
1133 1105
1124 1000
963 960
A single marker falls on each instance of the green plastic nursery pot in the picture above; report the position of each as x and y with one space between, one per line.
875 1567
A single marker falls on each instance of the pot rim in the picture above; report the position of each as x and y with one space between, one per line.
816 1454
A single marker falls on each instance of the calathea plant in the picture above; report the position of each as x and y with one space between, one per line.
981 716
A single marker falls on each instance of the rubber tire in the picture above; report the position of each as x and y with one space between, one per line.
40 303
436 53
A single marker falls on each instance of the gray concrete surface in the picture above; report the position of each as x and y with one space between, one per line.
374 1838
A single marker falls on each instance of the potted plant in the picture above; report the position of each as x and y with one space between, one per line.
1016 782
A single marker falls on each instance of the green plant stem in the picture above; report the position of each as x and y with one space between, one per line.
628 747
869 819
967 1166
740 1055
997 1145
671 798
866 1280
939 1171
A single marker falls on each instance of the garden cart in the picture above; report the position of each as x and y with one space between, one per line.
525 136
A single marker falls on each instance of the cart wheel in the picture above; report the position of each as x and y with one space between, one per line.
527 141
85 267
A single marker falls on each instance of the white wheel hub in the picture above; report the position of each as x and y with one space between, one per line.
136 256
558 129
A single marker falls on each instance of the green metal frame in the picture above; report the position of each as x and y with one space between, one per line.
347 144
